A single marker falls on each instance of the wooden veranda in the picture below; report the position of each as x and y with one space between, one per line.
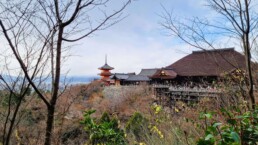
168 95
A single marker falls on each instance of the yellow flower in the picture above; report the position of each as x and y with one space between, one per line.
156 108
154 129
161 136
176 109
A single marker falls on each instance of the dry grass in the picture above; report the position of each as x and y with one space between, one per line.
178 127
122 101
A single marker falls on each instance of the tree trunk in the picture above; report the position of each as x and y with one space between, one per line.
50 121
249 71
51 107
12 122
250 79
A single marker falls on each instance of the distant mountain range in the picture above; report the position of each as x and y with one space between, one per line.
67 79
79 79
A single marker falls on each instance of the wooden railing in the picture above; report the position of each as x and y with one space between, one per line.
186 94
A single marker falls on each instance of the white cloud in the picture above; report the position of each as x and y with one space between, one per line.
131 45
134 43
124 56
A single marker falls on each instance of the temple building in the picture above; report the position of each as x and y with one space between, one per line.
132 79
207 65
163 75
199 67
105 72
202 67
121 78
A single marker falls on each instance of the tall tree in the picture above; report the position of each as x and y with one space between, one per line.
13 92
237 20
37 32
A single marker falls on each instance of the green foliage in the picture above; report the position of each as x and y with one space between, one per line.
103 131
137 125
28 118
239 128
142 129
9 100
28 91
105 117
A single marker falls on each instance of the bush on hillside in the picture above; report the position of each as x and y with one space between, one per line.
103 131
240 128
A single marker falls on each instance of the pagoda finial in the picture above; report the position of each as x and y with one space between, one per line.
106 59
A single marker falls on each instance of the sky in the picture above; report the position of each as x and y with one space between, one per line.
137 42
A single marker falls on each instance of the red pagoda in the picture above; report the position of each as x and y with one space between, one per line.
105 72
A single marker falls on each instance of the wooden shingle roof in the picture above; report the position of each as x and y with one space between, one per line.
121 76
148 72
136 78
165 73
209 63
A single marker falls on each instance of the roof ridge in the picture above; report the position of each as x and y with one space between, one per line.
149 68
214 50
124 73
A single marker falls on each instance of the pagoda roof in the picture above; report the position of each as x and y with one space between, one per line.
209 62
106 67
105 74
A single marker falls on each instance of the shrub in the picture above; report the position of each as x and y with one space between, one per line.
137 126
10 100
239 128
103 131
